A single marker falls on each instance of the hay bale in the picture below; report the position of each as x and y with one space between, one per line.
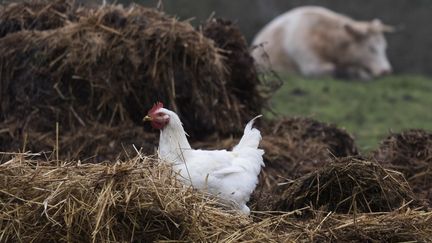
136 200
411 153
349 186
37 15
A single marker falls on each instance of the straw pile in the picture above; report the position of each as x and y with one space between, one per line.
349 186
106 67
398 226
93 143
411 153
243 80
137 200
298 145
140 200
111 67
295 147
37 15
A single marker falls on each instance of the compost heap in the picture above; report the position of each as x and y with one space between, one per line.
411 153
64 88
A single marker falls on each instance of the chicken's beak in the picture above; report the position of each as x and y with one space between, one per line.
147 118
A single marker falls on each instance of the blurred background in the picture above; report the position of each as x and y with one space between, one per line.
409 48
368 110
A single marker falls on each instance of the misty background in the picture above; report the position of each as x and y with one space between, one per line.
409 48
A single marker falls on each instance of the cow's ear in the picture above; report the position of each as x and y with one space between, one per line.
357 30
376 26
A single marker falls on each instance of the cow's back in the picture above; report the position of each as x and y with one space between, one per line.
292 34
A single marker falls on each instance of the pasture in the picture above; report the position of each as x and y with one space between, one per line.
368 110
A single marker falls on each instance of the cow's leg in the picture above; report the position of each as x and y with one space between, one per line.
353 73
311 65
320 70
317 69
362 75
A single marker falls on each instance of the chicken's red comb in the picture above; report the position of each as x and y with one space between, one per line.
155 107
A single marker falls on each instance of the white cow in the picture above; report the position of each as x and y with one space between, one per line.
316 42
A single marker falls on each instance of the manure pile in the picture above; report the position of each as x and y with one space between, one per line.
349 186
409 152
66 70
37 15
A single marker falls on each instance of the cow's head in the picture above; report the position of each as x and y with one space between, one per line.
365 49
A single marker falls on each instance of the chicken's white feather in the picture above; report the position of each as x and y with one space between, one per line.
230 175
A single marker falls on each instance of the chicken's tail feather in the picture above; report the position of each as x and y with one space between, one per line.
251 136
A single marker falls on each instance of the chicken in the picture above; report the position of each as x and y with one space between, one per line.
230 175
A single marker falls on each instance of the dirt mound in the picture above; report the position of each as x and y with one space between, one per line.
37 15
109 68
349 186
411 153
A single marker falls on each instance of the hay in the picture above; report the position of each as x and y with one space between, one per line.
243 79
110 66
37 15
398 226
296 146
411 153
349 186
136 200
92 143
140 200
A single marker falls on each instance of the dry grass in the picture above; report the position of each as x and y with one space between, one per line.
38 15
411 153
136 200
398 226
140 200
107 66
349 186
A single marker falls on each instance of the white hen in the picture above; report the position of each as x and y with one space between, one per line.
230 175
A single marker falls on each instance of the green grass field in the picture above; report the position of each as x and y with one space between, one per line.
368 110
